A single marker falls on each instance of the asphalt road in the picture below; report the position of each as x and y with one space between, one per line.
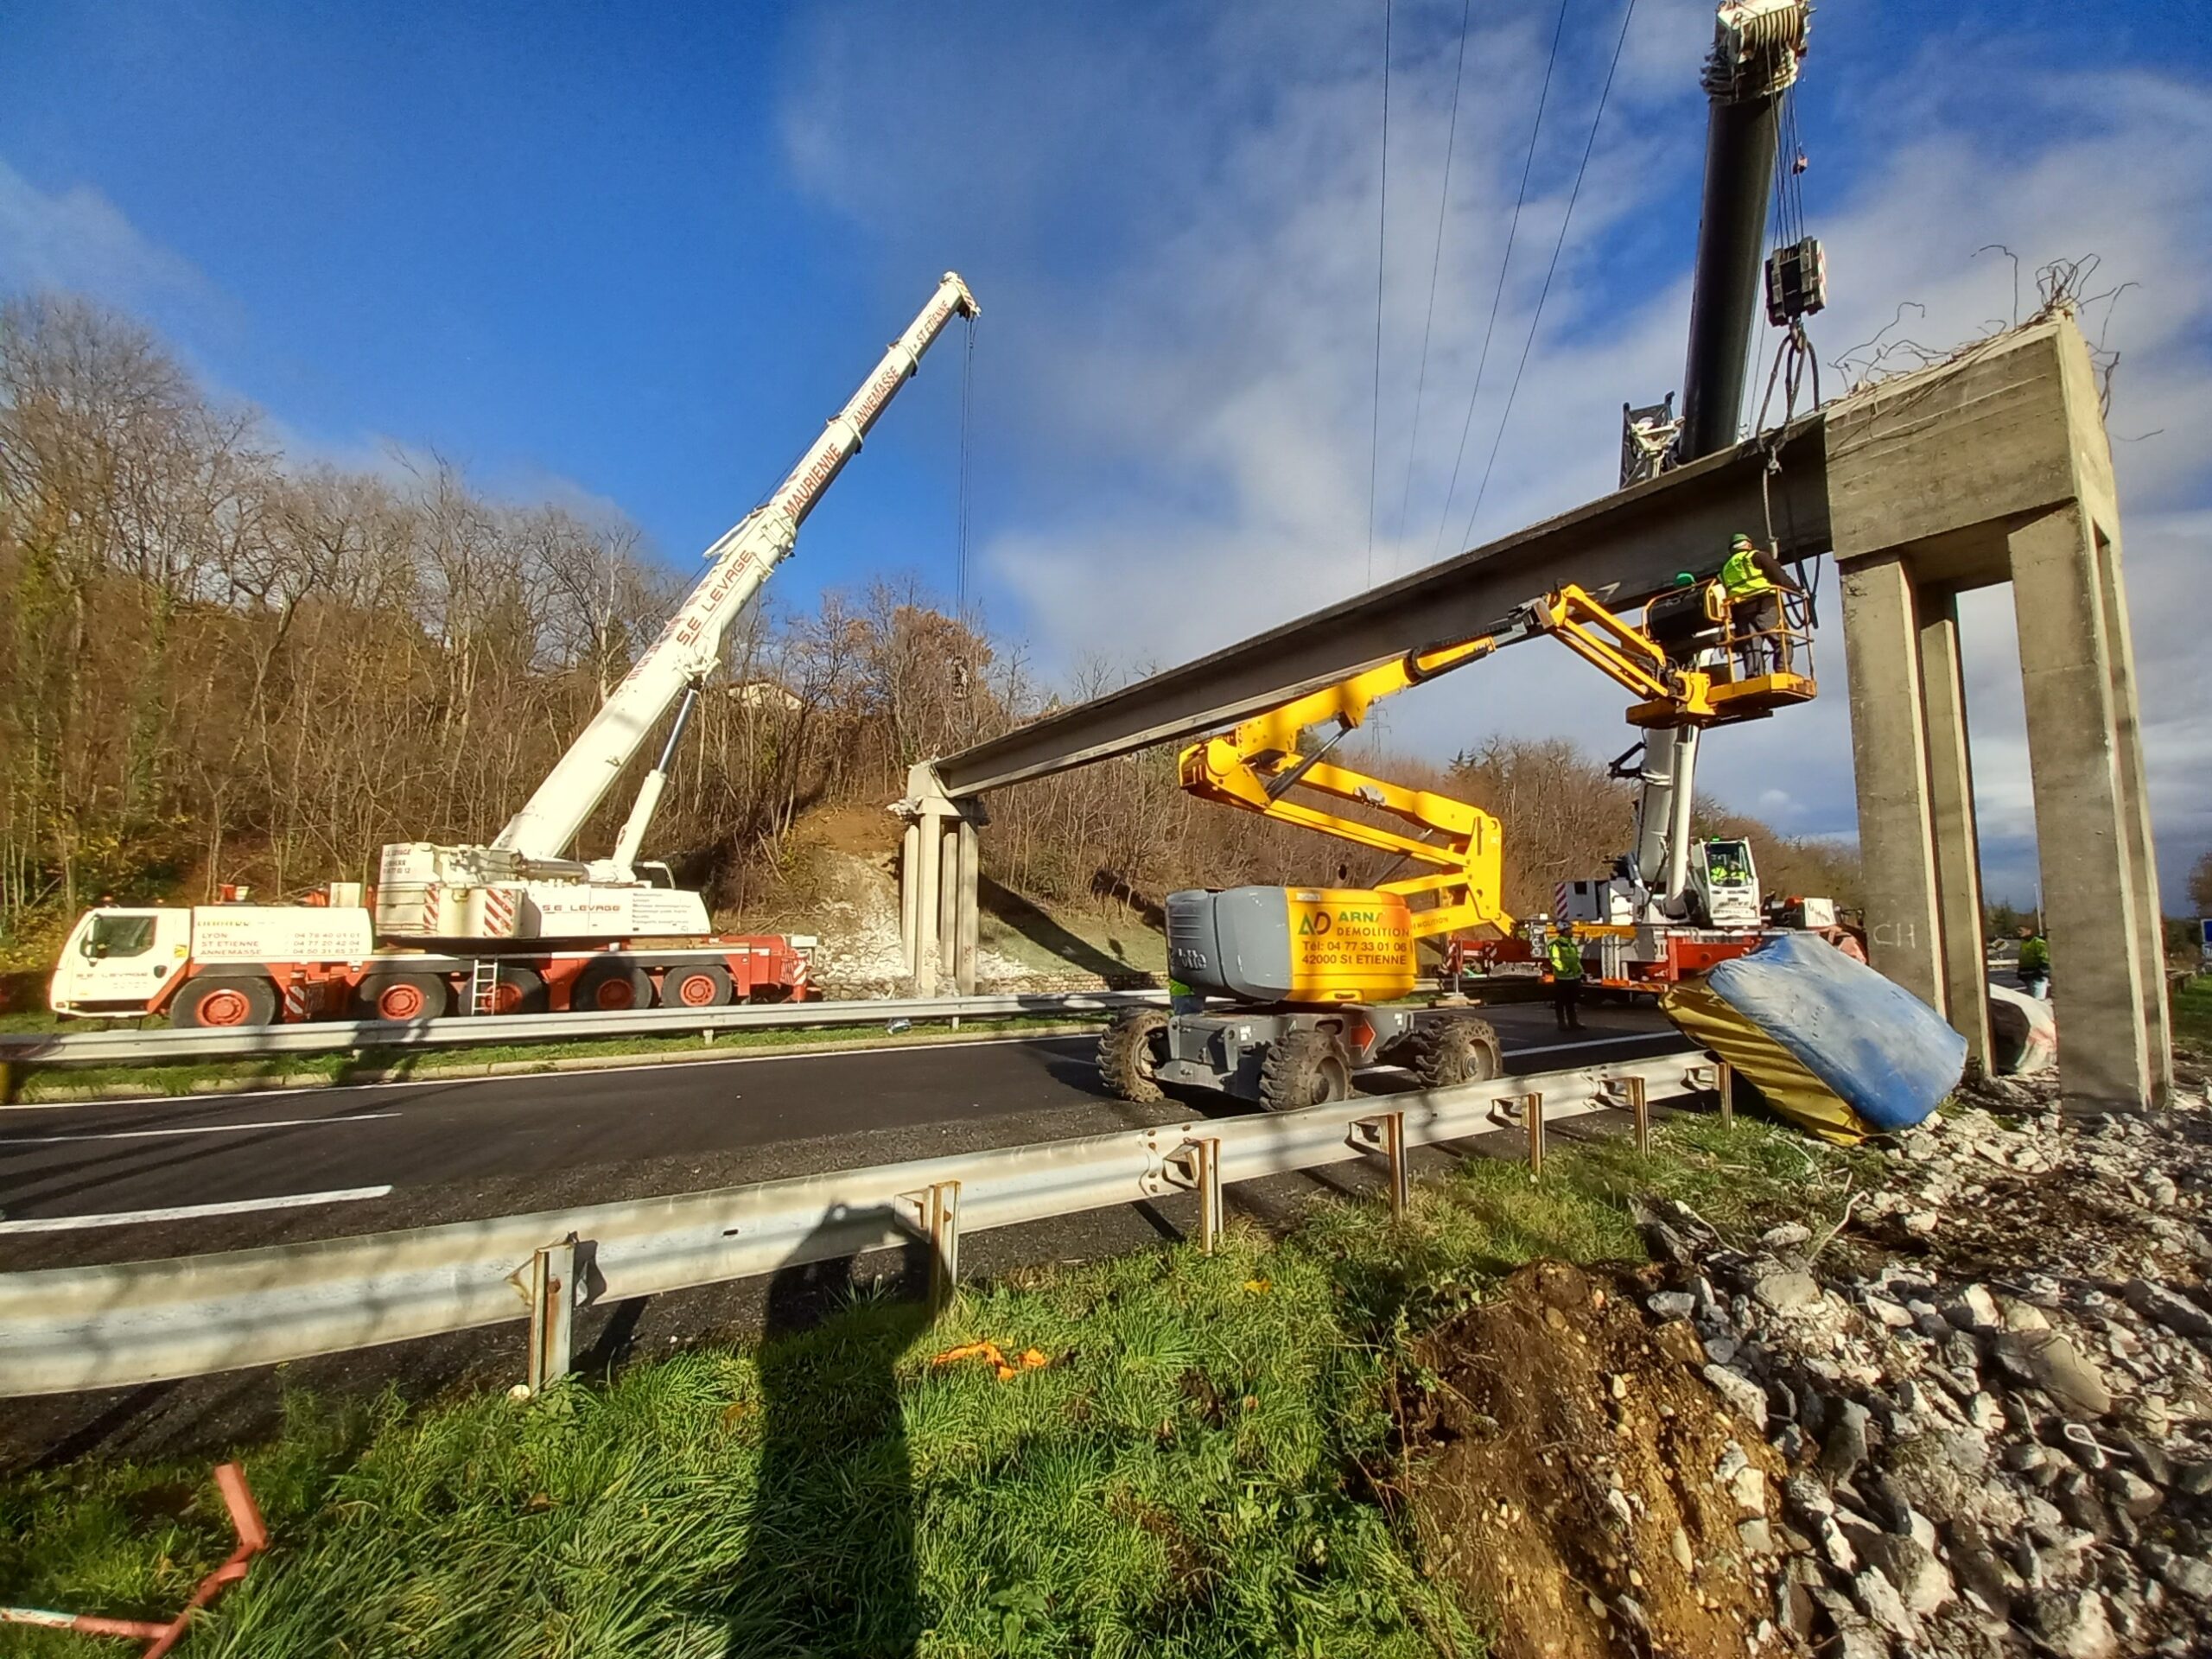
107 1180
415 1154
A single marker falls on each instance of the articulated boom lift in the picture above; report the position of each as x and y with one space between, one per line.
1302 971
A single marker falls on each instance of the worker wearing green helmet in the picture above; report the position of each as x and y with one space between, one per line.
1754 583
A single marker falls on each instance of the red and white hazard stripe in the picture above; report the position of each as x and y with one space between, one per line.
1559 901
430 908
296 1001
498 913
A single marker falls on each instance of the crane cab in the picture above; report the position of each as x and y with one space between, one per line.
119 960
1724 885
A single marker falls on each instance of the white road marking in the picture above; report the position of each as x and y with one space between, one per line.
190 1211
614 1063
196 1128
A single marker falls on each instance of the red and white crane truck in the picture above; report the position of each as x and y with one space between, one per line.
518 926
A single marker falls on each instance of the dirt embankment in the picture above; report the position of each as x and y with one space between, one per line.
1580 1484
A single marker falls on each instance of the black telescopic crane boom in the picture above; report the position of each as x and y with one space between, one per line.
1756 49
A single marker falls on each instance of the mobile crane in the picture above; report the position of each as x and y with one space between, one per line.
519 925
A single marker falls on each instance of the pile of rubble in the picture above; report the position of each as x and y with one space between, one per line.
1991 1387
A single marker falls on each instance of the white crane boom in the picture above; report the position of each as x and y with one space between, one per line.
691 644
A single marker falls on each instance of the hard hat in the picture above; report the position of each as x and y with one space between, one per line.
1739 540
1684 579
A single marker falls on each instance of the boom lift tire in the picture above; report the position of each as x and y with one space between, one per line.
220 1001
610 987
1129 1052
1446 1052
696 985
400 997
1304 1068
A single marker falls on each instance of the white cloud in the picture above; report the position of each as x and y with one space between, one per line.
76 240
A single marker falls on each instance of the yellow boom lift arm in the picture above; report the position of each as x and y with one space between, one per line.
1255 766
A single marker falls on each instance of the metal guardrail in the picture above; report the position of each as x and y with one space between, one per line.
67 1328
329 1036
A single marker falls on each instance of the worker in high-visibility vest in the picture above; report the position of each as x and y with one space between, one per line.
1563 955
1754 583
2035 964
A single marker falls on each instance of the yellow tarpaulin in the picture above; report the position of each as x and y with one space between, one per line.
1780 1076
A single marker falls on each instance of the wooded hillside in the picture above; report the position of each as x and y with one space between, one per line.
220 664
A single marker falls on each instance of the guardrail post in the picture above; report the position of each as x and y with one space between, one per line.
552 1308
1727 1095
1387 1135
1640 1108
1533 1109
1195 1167
940 1211
1209 1160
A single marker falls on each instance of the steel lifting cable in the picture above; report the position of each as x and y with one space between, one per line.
1435 267
1497 295
1793 360
1382 227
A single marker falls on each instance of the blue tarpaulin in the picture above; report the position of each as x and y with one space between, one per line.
1830 1042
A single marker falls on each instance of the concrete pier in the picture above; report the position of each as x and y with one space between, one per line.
1992 468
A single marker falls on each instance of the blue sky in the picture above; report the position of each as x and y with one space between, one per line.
632 256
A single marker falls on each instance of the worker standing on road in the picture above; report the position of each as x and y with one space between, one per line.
1564 957
1754 583
2035 964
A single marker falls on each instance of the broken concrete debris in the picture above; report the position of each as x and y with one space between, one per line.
1992 1390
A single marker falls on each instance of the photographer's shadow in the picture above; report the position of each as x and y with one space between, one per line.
828 1565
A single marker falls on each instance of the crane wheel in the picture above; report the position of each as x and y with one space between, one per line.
700 985
400 997
611 987
1303 1069
1447 1051
1129 1053
519 990
215 1002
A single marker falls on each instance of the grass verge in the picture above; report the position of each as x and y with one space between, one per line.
396 1065
2192 1006
1204 1463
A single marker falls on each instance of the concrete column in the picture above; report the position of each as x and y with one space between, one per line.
2135 815
1950 795
948 898
967 922
908 844
927 861
2087 836
1897 836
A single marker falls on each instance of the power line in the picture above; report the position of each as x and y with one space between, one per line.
1435 265
1381 223
1504 263
1544 293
